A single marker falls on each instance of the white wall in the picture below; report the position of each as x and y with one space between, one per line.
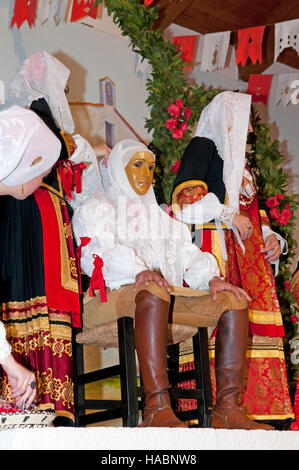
87 52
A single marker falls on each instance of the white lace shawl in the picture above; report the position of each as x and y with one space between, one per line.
42 76
225 121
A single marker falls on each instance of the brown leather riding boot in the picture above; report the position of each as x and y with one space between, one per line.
151 325
230 356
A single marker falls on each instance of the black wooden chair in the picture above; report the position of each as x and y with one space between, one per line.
121 334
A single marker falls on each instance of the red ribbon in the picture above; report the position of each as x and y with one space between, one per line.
84 242
78 174
97 279
67 169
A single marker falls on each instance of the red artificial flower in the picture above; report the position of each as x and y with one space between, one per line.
274 213
175 167
272 201
187 113
294 318
279 196
174 110
171 123
183 126
177 134
284 217
179 102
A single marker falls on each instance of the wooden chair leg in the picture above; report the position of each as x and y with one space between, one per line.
202 376
128 372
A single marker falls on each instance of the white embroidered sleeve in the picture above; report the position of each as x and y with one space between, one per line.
205 210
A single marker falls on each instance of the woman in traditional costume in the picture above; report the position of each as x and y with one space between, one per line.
215 193
143 257
28 150
40 302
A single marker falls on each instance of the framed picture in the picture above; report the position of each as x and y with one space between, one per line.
107 92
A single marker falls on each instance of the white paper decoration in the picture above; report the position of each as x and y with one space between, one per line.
286 35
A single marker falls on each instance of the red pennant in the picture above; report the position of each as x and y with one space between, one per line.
148 2
82 8
97 279
259 87
250 45
24 10
185 45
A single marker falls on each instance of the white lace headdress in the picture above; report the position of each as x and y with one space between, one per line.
225 121
42 76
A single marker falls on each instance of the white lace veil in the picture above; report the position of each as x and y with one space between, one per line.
42 76
225 121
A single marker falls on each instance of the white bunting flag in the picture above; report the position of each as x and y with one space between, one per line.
213 49
285 88
286 35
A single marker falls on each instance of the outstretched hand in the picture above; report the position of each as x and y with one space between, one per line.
147 276
218 285
102 152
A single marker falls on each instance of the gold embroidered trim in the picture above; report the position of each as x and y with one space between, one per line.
265 318
69 142
68 265
57 345
266 417
180 187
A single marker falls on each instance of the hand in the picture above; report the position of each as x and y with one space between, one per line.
244 226
147 276
218 285
103 152
272 248
19 379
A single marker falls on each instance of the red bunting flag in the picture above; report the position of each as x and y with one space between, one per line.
148 2
185 45
259 87
250 45
24 10
82 8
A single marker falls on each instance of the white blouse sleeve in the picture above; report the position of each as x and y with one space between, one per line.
95 219
200 267
5 348
205 210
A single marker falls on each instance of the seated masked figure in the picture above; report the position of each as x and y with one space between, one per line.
146 257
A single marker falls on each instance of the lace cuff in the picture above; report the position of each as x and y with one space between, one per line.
5 348
226 215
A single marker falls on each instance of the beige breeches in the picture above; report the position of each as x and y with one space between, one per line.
187 306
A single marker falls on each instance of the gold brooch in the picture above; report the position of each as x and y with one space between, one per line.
36 161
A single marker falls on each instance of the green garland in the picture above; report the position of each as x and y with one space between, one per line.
167 84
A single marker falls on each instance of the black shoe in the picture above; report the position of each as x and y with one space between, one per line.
63 421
